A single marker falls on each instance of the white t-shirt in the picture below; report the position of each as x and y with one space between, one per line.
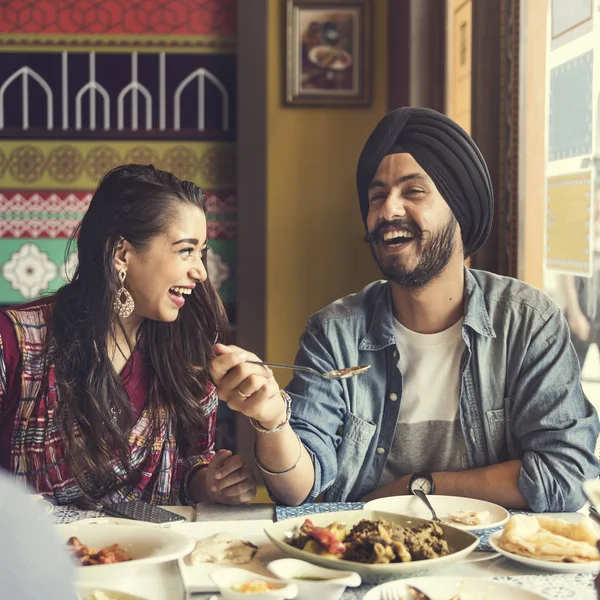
428 435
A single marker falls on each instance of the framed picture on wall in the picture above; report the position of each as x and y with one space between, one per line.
328 52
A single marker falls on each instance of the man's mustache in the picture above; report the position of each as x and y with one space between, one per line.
375 236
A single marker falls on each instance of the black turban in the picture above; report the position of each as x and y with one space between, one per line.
447 154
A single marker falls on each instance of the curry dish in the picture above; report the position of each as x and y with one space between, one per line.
372 542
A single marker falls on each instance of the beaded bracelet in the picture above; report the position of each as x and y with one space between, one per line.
288 411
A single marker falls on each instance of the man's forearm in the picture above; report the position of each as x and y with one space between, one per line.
279 452
495 483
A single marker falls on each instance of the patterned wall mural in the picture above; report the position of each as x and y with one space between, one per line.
89 84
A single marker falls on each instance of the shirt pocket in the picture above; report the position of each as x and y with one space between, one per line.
357 431
496 426
356 438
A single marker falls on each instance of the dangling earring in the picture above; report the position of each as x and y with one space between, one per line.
123 307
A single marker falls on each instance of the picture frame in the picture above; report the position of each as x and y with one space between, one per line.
328 52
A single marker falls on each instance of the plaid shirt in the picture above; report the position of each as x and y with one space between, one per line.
38 453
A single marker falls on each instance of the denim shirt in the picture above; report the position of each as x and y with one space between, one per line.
520 392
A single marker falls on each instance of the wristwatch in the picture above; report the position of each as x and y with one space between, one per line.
421 481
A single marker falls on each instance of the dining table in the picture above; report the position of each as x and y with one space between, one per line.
163 581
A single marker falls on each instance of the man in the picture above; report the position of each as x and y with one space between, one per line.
474 385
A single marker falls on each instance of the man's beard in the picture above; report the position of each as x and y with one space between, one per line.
432 260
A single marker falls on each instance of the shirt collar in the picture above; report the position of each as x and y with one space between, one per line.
476 316
380 331
381 328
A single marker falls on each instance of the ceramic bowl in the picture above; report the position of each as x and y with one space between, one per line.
314 581
90 592
144 545
442 588
228 580
461 544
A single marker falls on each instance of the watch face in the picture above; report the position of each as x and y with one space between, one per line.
421 483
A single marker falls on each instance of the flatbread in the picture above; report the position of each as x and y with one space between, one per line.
223 548
546 538
468 517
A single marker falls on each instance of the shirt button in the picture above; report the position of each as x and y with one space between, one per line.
395 353
393 397
380 450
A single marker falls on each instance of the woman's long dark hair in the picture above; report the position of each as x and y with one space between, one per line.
135 203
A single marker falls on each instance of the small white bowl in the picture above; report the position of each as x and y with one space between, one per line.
328 584
228 579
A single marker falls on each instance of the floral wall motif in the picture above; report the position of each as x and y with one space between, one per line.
90 84
29 270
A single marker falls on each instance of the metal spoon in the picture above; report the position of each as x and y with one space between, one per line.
420 494
415 594
335 374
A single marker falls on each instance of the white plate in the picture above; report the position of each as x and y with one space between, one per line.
443 505
145 545
442 588
40 502
461 542
479 556
546 565
84 592
196 578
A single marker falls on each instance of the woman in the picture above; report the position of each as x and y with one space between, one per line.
103 389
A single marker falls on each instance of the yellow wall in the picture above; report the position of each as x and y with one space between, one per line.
459 43
532 151
315 251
